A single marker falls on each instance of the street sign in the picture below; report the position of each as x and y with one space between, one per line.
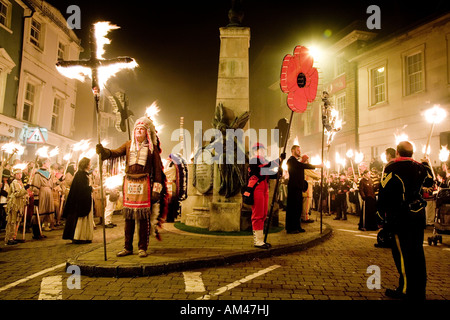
36 137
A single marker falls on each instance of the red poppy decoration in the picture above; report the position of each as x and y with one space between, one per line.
299 79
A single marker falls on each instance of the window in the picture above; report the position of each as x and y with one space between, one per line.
61 51
36 32
56 113
340 66
340 106
5 13
28 105
414 73
378 85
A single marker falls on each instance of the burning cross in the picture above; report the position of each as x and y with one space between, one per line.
96 68
99 70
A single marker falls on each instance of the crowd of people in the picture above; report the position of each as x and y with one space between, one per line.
347 192
41 196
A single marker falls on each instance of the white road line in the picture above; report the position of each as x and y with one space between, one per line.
11 285
51 288
238 282
346 230
193 282
363 236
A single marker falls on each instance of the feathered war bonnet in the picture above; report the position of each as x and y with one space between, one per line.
152 138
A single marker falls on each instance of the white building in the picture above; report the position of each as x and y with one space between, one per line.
46 99
399 78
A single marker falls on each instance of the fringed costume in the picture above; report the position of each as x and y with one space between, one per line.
144 186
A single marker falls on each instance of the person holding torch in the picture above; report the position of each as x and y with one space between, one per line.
144 182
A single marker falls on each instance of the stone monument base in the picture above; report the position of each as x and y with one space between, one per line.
225 216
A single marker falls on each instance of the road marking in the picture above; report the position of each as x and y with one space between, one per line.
346 230
11 285
193 282
51 288
238 282
363 236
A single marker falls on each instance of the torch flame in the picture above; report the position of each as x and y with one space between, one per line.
42 152
435 114
443 154
359 157
101 30
13 147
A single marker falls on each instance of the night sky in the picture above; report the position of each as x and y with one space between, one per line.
176 44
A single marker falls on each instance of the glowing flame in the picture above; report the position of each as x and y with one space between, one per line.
101 30
114 181
42 152
443 154
316 160
426 152
359 157
13 147
435 114
88 154
152 111
105 73
75 72
81 146
284 165
383 157
54 152
349 153
401 137
20 166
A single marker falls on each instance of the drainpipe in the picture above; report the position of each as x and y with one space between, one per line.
33 10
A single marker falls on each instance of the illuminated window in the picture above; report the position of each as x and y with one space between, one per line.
340 106
378 85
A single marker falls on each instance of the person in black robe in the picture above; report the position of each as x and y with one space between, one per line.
295 190
79 200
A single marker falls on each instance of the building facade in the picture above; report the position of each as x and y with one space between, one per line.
381 87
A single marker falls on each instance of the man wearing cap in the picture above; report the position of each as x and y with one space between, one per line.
143 183
400 201
259 173
296 182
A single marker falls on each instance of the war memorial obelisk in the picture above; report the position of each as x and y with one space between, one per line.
205 207
233 94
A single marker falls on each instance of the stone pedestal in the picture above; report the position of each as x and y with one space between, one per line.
225 216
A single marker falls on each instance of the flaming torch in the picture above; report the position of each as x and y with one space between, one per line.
99 70
434 116
443 154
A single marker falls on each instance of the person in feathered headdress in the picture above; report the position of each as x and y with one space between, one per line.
144 182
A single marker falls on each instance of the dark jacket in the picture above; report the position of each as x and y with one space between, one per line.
399 199
297 172
78 204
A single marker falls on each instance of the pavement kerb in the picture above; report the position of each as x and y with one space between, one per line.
101 269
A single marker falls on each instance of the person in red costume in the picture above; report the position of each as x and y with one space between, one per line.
259 172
